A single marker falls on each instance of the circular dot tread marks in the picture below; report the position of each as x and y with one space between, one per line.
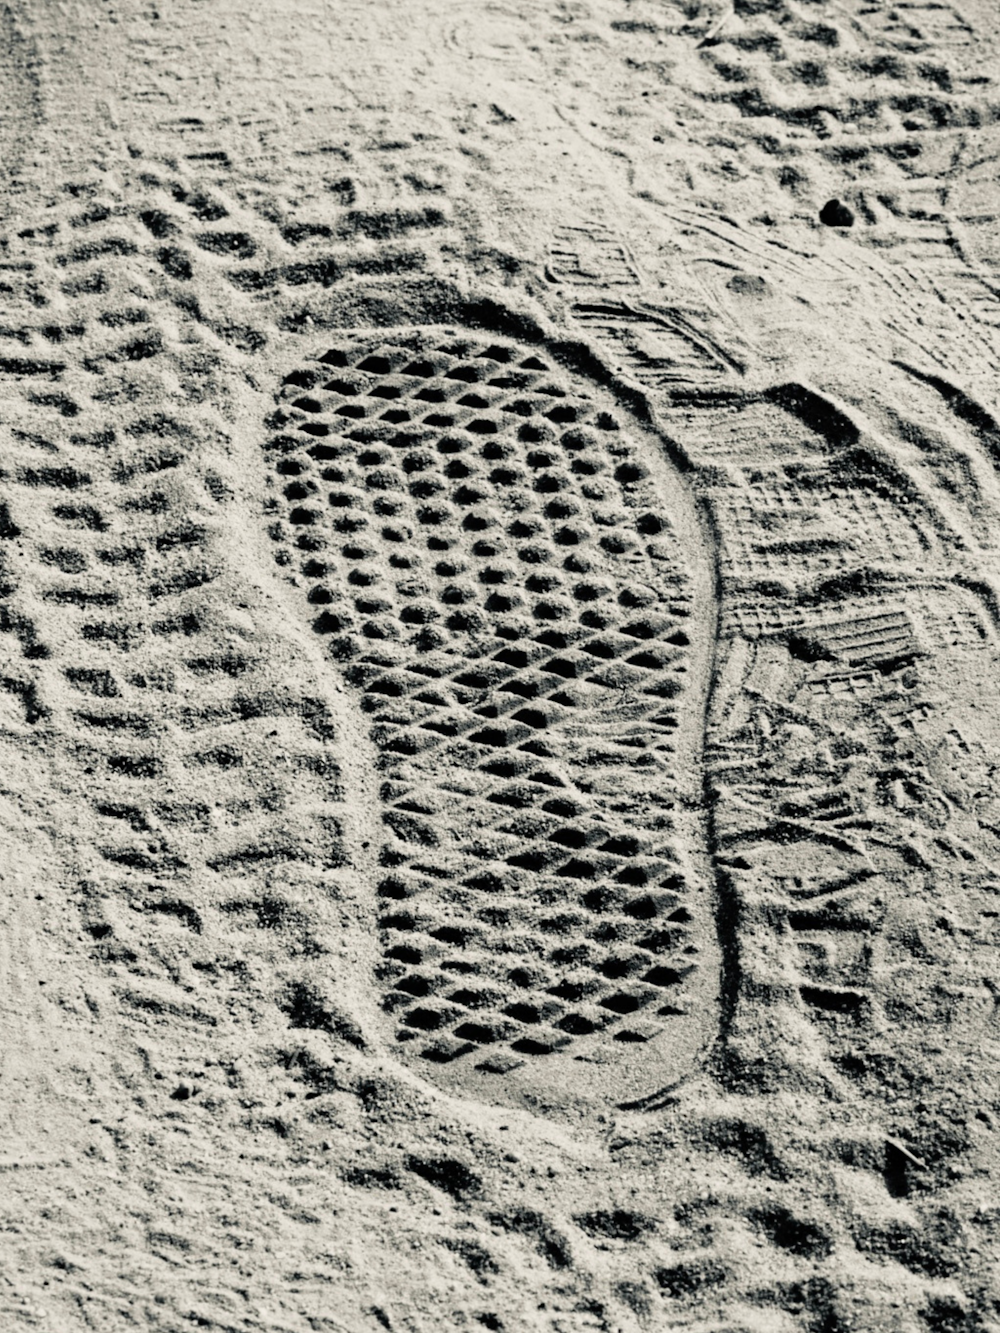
491 550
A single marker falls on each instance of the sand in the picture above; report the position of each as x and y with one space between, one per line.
499 521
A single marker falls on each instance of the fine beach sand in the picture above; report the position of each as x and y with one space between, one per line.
499 709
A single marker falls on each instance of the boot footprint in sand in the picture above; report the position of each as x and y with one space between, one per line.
514 580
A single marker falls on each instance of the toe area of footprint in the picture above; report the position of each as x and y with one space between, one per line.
510 575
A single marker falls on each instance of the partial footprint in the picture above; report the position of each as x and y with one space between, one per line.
516 582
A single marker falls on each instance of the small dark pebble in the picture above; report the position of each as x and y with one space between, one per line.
835 214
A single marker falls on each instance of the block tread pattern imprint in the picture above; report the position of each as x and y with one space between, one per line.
515 582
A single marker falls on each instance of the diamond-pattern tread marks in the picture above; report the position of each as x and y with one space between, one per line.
491 563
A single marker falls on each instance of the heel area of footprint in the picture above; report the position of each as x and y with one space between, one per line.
499 561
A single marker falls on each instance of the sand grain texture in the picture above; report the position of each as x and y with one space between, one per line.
498 530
